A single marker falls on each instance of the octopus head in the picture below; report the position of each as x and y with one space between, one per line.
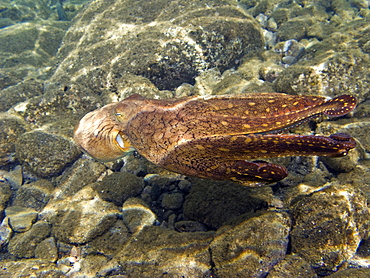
100 135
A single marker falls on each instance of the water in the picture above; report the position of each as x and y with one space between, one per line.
65 214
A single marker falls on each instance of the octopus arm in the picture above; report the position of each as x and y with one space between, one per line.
225 157
259 113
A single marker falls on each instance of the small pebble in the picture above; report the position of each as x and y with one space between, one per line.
172 200
21 219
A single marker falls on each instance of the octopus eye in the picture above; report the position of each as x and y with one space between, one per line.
119 116
120 141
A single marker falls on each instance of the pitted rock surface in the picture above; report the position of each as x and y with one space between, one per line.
168 42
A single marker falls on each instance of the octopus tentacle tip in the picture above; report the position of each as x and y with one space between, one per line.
340 106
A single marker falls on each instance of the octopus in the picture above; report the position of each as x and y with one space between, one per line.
215 137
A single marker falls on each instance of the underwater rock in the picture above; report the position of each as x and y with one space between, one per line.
130 84
26 268
23 245
19 92
328 73
251 248
119 186
111 241
291 51
5 193
360 177
190 226
34 195
13 177
21 219
329 225
45 154
5 232
89 266
28 48
215 202
167 42
359 129
136 215
80 218
172 200
47 250
82 173
24 10
292 266
11 128
158 252
59 108
293 29
351 273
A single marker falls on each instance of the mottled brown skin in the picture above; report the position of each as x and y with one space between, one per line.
211 137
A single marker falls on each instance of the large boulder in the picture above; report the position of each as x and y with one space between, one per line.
168 42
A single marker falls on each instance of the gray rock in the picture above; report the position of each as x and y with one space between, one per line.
158 40
18 93
292 266
14 177
118 187
34 195
81 218
111 241
5 193
159 183
11 128
326 71
190 226
329 226
5 232
172 200
112 268
24 268
28 48
360 177
350 273
21 219
83 172
23 245
136 215
251 248
90 265
157 252
59 108
45 154
47 250
184 186
293 29
25 11
216 202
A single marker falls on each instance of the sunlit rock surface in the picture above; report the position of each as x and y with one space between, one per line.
169 223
